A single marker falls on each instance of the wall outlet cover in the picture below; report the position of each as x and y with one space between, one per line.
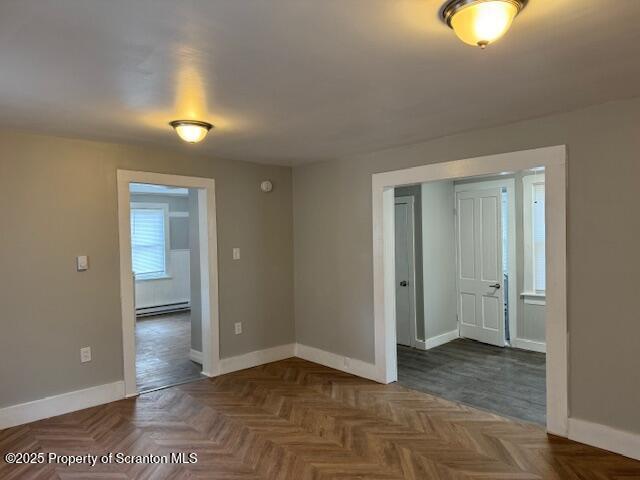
85 354
82 263
238 328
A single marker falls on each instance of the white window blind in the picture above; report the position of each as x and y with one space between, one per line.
538 237
148 248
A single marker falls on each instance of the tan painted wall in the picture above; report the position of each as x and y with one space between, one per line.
194 272
333 247
439 257
58 200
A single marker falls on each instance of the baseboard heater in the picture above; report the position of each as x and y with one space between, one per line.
159 309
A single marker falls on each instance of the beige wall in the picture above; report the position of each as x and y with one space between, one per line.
59 200
439 258
531 322
194 272
333 247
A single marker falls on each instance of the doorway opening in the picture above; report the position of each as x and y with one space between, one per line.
479 339
165 255
499 321
168 278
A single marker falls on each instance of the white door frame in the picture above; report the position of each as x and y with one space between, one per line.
410 201
510 185
554 159
208 269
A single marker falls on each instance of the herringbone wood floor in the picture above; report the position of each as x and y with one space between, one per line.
298 420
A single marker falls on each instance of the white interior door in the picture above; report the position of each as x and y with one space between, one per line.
405 267
479 247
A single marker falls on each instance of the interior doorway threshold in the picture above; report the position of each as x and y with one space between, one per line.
174 384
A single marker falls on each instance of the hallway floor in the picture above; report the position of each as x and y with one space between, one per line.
507 381
163 343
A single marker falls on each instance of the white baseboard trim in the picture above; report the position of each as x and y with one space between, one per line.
93 396
339 362
607 438
438 340
195 356
258 357
60 404
420 344
532 345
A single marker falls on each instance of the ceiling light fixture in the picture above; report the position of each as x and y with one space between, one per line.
191 131
481 22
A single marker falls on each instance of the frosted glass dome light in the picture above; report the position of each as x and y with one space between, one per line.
481 22
191 131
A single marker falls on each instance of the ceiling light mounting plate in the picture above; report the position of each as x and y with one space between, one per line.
454 6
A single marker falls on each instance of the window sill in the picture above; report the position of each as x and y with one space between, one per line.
534 298
154 277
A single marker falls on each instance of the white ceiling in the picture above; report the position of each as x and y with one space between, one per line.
293 81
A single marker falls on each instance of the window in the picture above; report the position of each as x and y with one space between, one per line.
534 233
538 238
149 240
505 231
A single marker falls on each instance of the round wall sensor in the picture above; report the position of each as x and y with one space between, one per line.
266 186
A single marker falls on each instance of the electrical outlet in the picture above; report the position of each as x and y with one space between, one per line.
236 253
238 327
85 354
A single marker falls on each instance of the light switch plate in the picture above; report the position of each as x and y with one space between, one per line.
236 253
85 354
238 327
82 263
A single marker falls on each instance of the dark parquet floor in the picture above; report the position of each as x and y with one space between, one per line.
295 420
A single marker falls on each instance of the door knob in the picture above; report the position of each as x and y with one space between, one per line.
404 283
495 285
